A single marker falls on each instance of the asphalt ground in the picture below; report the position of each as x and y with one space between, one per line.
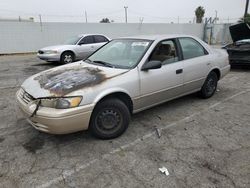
202 143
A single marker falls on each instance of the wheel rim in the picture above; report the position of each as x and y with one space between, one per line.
68 59
108 121
211 86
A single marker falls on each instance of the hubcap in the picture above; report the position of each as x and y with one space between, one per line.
108 120
68 59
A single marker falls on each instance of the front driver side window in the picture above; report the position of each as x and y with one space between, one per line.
87 40
166 52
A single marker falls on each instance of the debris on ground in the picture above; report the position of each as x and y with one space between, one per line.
158 132
164 170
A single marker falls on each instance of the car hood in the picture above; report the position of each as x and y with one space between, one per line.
57 47
240 31
63 80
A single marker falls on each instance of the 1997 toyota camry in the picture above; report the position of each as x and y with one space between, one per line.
125 76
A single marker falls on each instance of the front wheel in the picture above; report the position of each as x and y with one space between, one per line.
67 57
210 85
110 119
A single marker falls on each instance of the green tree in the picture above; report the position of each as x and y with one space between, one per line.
199 13
105 20
247 19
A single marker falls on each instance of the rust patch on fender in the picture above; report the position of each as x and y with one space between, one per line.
63 81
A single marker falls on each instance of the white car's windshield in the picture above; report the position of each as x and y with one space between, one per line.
72 40
121 53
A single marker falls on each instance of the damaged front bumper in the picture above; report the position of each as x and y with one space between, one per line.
55 121
49 57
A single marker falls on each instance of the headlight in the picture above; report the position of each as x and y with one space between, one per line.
61 103
50 52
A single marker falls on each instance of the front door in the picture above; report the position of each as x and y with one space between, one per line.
86 46
165 83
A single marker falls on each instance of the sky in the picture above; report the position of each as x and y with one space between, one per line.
159 11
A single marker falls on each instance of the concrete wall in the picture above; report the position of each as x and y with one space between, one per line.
18 37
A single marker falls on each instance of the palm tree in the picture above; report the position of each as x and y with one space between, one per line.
199 13
246 19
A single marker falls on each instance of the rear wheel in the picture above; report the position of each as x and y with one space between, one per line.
67 57
209 87
110 119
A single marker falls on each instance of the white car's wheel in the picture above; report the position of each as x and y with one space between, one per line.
67 57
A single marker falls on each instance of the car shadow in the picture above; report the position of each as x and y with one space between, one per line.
52 64
237 68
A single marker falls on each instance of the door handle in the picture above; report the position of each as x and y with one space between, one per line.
179 71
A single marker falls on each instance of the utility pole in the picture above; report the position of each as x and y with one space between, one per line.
41 25
126 14
86 16
245 15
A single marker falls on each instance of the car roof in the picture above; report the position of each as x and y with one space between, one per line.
156 37
87 34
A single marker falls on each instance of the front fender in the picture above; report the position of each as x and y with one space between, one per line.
108 92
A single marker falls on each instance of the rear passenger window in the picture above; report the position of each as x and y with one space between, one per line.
191 48
100 38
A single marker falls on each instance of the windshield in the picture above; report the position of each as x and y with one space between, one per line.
72 40
121 53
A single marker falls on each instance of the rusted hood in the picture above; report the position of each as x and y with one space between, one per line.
66 79
240 31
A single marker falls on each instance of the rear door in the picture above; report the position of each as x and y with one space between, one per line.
196 64
99 41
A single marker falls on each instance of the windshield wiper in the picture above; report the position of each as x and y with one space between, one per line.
104 63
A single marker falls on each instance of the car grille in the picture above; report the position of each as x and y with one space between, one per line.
25 97
41 52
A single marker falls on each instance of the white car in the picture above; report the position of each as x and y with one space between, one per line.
75 48
125 76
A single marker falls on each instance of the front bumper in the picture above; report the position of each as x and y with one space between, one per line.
56 121
49 57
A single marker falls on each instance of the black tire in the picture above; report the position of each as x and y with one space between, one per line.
109 119
210 85
67 57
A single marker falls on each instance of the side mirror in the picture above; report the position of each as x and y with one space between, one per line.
151 65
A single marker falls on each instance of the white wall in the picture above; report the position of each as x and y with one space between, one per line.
18 37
